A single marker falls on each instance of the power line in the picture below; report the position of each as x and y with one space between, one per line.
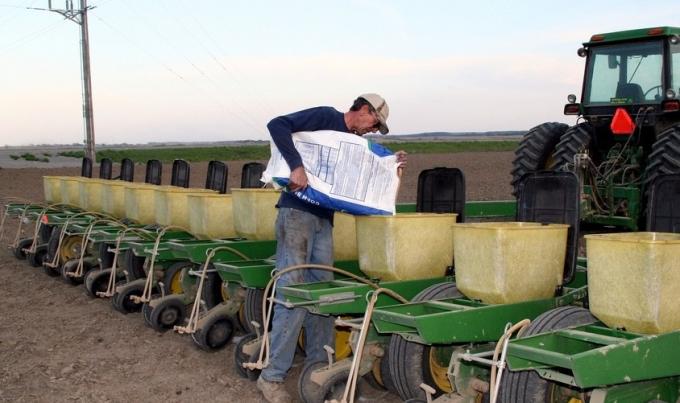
238 105
179 76
147 53
15 13
232 70
30 37
242 115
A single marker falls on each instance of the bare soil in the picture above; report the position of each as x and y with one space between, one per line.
57 344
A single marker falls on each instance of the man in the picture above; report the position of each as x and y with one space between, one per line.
304 234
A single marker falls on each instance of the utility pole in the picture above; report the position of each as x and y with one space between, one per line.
80 18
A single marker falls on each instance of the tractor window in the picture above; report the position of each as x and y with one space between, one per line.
675 68
628 73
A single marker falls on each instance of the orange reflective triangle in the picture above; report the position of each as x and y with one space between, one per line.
622 124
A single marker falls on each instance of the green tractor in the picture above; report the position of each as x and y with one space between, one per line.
628 127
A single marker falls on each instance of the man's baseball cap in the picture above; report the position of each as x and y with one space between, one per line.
381 109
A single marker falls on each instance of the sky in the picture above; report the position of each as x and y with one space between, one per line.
219 70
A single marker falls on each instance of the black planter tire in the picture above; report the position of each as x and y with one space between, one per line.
44 233
168 313
332 389
215 293
70 267
52 271
240 357
122 303
527 386
212 290
53 246
70 248
146 311
380 377
535 150
105 257
19 249
96 281
133 265
172 277
37 258
409 362
252 310
146 314
215 333
385 373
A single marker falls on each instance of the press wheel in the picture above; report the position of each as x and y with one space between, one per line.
167 312
96 281
214 333
240 357
332 388
19 249
121 300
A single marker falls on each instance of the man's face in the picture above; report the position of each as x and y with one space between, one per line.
366 122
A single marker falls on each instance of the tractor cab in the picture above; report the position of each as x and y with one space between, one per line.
637 70
628 131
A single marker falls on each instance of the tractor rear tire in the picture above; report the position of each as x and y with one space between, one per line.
409 362
665 156
527 386
575 140
534 150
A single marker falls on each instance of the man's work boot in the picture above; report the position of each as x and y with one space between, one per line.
274 392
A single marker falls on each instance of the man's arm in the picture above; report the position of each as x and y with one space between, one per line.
280 130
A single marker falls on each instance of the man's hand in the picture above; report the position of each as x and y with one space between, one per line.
298 179
401 157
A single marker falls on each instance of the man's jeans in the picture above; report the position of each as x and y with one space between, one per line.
301 238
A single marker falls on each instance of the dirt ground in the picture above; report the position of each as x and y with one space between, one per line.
57 344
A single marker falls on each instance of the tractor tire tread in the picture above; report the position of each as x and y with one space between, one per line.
534 150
